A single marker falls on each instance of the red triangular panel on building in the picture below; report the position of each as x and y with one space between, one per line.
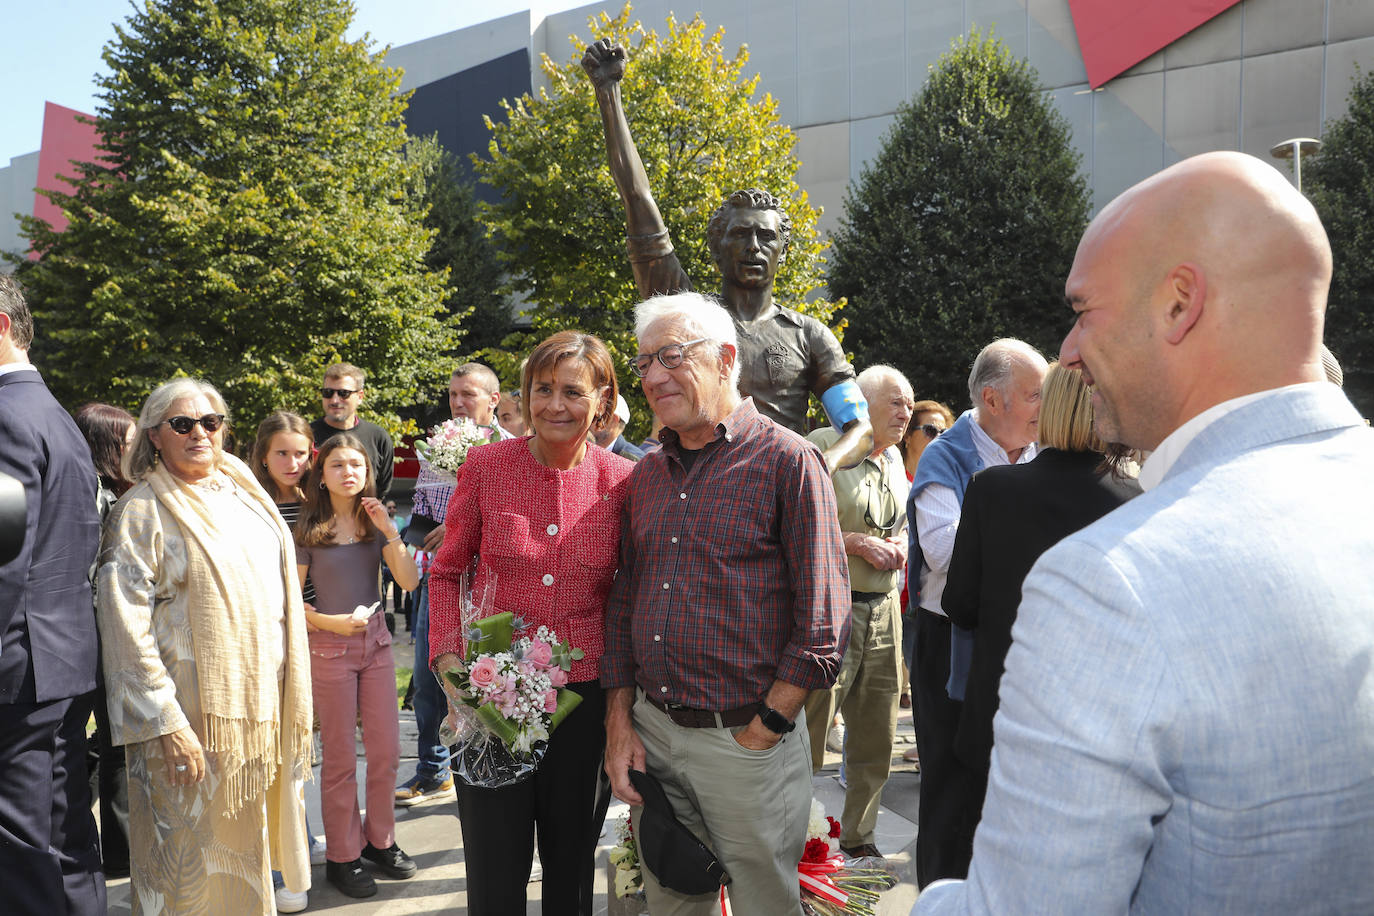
1115 35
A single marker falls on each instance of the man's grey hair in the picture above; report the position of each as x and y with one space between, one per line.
14 307
483 374
141 457
875 377
995 364
697 315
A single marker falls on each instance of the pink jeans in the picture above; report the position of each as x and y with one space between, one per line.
354 678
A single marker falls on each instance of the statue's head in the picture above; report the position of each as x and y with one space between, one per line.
749 204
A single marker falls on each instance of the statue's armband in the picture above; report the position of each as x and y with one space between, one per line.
844 403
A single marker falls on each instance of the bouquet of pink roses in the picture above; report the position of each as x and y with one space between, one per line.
506 696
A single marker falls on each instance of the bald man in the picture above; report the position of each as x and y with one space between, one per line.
1187 714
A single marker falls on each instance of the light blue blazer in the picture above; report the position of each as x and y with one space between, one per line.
1187 714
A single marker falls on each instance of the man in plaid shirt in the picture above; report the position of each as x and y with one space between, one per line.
730 606
472 392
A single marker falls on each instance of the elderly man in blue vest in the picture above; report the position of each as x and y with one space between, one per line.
1004 387
1187 714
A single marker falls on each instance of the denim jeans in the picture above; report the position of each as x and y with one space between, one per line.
429 702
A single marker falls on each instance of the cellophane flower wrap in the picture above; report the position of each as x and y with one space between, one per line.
624 857
506 694
832 885
446 448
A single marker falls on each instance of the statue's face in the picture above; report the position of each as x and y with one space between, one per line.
751 248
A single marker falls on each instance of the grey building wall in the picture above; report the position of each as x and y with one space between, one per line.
17 182
1263 71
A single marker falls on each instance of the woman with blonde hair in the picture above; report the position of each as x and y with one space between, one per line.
1011 515
207 670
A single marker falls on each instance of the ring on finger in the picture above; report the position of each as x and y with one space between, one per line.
181 768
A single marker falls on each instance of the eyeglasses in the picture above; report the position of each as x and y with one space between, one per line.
930 429
182 426
341 392
887 500
669 357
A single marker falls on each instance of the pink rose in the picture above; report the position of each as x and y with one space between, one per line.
483 674
558 677
539 653
508 702
550 701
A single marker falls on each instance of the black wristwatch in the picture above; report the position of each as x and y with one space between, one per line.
773 720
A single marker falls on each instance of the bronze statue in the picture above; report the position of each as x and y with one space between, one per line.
784 355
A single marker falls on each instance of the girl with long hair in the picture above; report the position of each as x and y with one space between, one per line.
342 537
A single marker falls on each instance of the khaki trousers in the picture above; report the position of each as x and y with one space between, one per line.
866 694
750 807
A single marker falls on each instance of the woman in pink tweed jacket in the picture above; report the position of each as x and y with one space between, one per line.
541 516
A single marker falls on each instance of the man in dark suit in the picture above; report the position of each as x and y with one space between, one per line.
49 851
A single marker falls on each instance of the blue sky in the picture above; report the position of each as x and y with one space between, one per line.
52 48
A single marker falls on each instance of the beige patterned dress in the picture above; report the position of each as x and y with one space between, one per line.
188 857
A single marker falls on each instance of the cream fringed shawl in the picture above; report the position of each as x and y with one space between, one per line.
237 673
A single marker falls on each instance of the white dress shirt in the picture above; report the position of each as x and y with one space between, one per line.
937 517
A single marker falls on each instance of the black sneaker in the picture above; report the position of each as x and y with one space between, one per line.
350 878
391 861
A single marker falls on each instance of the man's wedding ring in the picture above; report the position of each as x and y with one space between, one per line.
181 768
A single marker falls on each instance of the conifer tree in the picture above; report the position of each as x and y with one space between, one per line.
1340 182
963 228
252 218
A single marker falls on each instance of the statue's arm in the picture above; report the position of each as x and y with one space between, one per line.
833 381
656 267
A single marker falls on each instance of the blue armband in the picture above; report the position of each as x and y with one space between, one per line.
844 402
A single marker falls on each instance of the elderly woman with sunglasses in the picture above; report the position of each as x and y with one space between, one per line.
207 667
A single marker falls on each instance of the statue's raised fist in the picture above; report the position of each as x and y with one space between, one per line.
604 63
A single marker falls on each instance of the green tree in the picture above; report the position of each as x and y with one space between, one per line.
963 228
701 132
461 247
252 218
1340 182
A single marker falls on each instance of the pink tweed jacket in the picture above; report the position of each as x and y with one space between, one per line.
550 539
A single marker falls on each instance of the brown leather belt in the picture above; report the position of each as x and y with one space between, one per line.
688 717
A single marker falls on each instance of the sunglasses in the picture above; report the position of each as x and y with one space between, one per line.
930 429
182 426
341 392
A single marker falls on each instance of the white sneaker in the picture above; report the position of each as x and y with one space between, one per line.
291 901
317 850
834 741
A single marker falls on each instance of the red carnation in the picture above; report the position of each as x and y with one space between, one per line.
816 851
834 827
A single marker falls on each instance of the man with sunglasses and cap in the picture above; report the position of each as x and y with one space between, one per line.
341 394
1001 428
49 850
870 499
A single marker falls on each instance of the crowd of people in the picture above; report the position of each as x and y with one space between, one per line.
1124 593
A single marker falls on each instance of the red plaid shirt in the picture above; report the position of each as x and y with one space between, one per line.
731 576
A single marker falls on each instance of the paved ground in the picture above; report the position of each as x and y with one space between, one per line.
430 834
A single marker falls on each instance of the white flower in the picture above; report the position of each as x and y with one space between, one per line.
817 827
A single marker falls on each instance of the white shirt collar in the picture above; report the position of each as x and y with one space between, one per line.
992 453
7 368
1173 446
